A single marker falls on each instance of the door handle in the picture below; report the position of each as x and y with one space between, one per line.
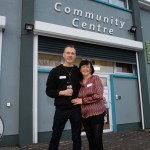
118 97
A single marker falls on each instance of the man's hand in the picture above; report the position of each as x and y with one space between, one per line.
67 92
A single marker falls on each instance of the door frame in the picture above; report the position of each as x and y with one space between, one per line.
109 102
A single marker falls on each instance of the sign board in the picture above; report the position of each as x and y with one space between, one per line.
148 51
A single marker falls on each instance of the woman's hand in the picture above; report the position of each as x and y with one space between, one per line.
77 101
104 99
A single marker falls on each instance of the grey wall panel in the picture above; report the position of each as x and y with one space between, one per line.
145 18
46 106
46 12
145 21
9 90
26 75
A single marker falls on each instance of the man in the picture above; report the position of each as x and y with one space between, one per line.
63 85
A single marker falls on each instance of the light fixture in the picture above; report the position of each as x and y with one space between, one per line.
29 27
133 29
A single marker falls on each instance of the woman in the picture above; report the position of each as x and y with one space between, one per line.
92 105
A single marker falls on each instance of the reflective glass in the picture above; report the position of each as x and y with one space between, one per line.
104 66
124 68
48 60
121 3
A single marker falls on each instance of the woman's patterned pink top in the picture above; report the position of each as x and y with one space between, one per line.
92 96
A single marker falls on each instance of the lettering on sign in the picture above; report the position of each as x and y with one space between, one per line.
92 17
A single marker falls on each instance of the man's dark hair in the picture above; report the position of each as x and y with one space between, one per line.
72 46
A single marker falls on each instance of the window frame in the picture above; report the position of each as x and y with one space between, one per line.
116 72
126 1
116 6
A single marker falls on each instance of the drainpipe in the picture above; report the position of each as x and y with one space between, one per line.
140 91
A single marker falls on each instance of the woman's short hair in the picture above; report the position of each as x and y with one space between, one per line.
86 62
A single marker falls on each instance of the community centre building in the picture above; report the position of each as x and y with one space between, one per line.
33 33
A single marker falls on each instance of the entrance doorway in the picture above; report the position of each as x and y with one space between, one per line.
107 94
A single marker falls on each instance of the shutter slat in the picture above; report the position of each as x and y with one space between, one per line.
55 45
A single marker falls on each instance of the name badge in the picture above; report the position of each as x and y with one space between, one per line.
88 85
62 77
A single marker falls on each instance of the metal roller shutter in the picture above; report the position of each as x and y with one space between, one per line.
55 45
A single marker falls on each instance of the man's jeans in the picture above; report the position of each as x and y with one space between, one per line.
60 118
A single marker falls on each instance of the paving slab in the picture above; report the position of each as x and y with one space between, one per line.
134 140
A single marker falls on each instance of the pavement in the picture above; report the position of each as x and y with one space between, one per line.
133 140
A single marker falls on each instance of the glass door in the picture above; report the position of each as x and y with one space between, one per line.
108 117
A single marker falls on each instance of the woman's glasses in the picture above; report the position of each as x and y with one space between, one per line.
90 60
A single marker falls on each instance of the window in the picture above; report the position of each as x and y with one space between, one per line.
106 1
120 3
124 68
99 65
48 60
77 61
104 66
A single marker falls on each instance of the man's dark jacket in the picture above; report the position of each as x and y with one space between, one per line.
57 81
